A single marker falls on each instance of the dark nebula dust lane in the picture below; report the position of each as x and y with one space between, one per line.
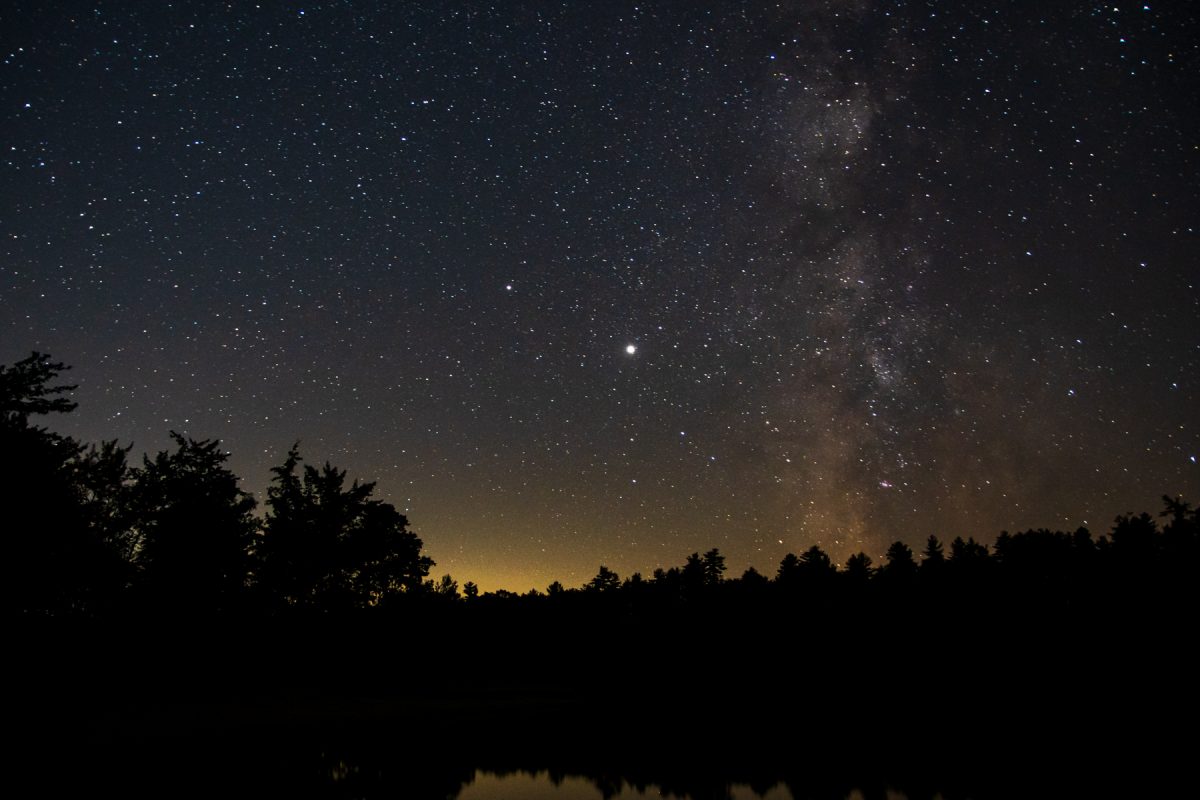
582 285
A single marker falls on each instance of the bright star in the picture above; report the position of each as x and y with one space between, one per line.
631 349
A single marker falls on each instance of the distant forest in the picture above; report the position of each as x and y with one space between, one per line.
89 534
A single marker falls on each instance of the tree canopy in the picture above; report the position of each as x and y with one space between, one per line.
25 389
328 545
193 525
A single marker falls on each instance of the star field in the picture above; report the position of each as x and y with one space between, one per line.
613 283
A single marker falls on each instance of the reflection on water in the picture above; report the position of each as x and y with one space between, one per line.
544 786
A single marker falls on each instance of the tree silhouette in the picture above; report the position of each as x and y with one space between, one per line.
970 570
384 557
1180 513
901 567
694 576
25 389
103 482
1181 534
858 568
445 589
789 569
605 581
1134 537
812 571
753 578
815 563
328 546
714 567
193 526
60 547
967 553
933 556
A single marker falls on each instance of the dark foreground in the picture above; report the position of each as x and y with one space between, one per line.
355 708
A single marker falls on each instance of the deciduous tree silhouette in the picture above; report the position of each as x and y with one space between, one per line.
103 482
385 560
331 547
193 527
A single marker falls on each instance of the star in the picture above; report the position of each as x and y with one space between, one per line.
836 290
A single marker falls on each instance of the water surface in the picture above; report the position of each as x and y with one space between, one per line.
544 786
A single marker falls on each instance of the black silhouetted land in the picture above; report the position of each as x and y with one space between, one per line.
153 613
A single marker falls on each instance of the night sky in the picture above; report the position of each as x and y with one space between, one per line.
583 283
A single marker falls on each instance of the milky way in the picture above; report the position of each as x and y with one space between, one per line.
581 285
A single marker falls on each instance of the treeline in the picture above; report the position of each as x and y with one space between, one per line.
160 613
91 534
1137 555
